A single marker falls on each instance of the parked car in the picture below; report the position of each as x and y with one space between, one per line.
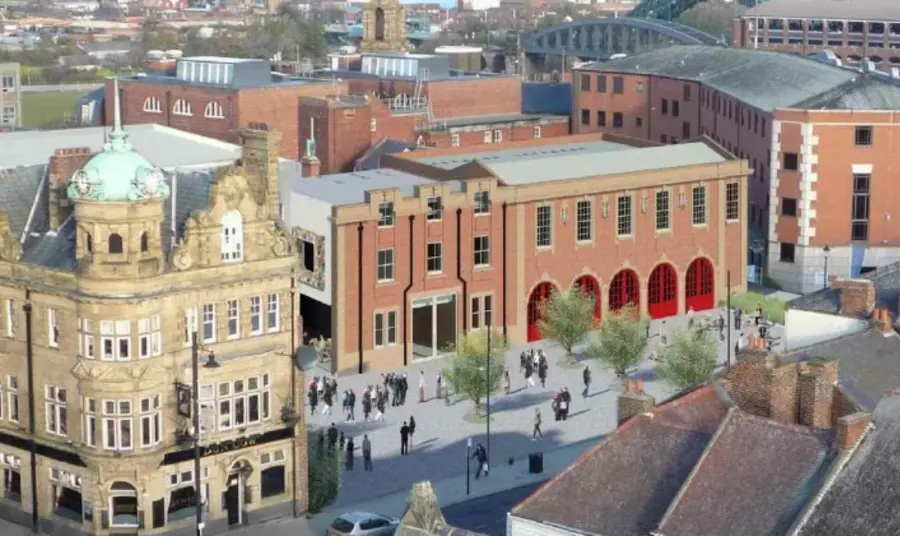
363 524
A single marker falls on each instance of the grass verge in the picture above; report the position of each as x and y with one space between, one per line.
749 302
49 109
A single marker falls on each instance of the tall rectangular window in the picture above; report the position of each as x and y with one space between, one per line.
618 85
386 214
385 265
11 318
863 136
435 257
544 226
482 203
89 433
584 221
243 402
12 393
732 201
149 337
190 325
273 313
435 208
86 338
53 327
115 340
385 329
601 83
585 82
151 421
234 319
482 251
859 218
209 322
118 422
55 412
255 315
663 211
624 225
482 310
698 206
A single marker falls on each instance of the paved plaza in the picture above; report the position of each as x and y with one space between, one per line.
439 446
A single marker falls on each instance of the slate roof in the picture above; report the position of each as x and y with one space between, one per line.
870 364
371 159
765 80
521 153
350 188
754 479
623 486
886 280
865 497
19 199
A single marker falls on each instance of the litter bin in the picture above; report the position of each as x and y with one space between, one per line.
535 463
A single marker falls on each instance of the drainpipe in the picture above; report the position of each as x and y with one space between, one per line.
465 284
412 263
32 426
504 275
359 235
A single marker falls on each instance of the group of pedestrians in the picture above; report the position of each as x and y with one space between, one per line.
531 362
321 389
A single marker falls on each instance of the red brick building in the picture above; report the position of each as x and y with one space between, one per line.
442 241
819 139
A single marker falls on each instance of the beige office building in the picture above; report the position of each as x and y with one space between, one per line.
10 96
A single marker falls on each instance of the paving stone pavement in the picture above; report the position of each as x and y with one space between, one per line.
439 446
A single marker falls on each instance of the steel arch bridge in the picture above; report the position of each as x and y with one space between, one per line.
599 39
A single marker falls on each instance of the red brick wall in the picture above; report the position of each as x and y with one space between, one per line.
466 97
467 138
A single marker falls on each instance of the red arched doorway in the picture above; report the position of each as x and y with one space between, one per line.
623 290
662 292
589 285
535 302
699 282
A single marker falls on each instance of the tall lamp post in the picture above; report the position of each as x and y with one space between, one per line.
489 386
826 250
195 395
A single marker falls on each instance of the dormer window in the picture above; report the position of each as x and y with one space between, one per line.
145 243
232 236
182 107
214 110
152 105
115 243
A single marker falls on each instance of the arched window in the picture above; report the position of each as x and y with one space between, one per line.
89 243
232 236
145 243
379 24
123 505
182 107
152 105
214 110
115 243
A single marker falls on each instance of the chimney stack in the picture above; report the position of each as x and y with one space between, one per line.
857 296
634 401
850 429
816 395
63 164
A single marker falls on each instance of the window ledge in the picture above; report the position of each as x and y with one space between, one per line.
543 249
385 283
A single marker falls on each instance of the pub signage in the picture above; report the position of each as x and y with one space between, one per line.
228 445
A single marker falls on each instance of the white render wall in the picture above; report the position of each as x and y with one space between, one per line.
315 216
517 526
806 328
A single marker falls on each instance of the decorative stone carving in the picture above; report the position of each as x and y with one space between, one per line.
10 248
181 259
316 278
423 513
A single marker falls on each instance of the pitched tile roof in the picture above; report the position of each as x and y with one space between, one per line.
653 456
865 496
19 188
754 479
886 280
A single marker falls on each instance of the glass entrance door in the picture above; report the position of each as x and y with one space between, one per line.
433 325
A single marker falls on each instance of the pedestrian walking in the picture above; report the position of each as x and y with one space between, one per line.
529 374
404 388
543 367
367 453
351 405
367 403
536 433
439 381
480 456
721 322
313 396
523 358
565 401
404 439
350 447
586 378
379 405
332 437
412 429
421 386
326 402
506 381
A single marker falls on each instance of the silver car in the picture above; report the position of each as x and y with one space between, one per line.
363 524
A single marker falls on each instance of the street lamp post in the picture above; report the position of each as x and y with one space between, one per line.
826 249
488 399
729 315
195 395
468 464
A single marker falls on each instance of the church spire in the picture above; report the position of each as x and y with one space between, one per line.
118 138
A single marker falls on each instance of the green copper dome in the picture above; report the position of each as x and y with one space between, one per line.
118 173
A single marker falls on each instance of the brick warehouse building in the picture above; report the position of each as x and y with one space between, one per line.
442 241
818 137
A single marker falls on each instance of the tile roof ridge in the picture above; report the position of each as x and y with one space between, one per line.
628 425
696 469
797 428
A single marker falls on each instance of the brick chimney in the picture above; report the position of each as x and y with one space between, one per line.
857 296
634 401
850 429
63 164
881 320
816 395
309 167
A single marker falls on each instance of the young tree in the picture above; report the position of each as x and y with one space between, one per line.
566 318
324 475
471 373
621 342
690 358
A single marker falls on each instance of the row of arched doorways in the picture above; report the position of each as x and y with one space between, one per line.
625 289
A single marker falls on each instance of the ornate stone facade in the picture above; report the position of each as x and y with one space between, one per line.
95 334
384 27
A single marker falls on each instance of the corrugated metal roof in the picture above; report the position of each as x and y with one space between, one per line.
165 147
350 188
576 166
762 79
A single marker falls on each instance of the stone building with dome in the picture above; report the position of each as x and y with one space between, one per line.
99 315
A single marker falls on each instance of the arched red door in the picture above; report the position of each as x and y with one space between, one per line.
662 292
699 282
624 289
540 293
589 285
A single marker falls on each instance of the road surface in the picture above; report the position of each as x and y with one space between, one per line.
487 514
